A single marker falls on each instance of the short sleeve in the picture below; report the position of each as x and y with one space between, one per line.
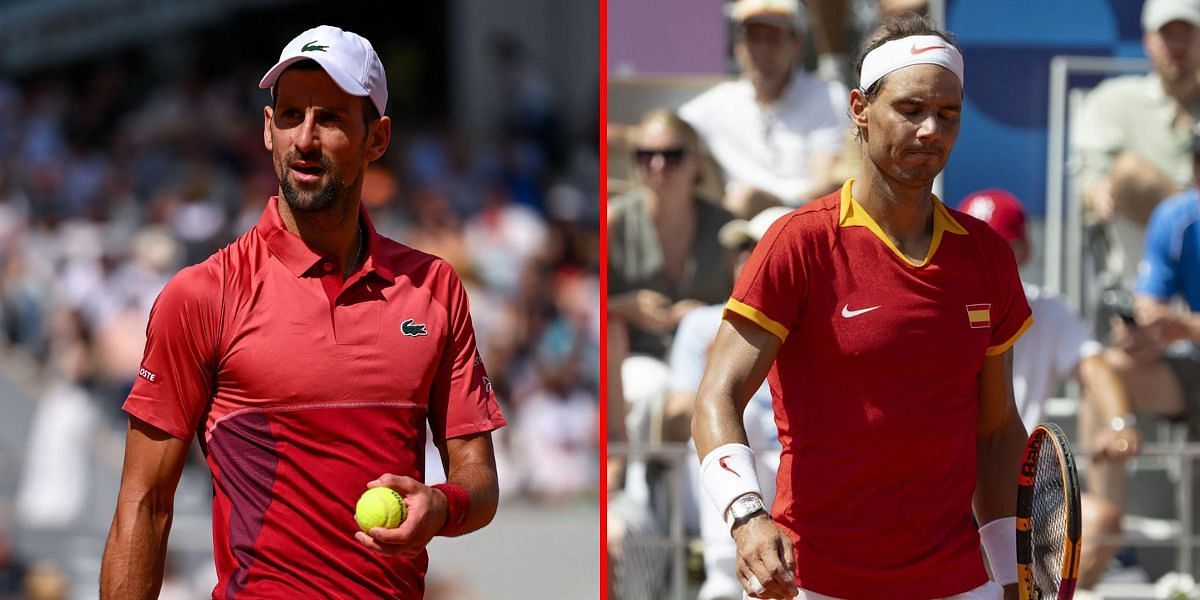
176 379
1009 313
462 401
1158 273
772 288
690 348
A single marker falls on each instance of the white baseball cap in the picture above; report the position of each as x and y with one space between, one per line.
347 57
1157 13
785 14
740 231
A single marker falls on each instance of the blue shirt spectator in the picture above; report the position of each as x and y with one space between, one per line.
1171 262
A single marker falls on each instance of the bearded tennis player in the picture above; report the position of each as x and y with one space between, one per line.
308 357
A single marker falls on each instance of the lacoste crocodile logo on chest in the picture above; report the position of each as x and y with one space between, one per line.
408 327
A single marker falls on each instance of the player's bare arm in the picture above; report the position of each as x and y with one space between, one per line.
137 542
471 462
740 359
1001 444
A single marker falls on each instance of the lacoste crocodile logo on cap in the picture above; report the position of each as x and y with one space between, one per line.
413 329
313 46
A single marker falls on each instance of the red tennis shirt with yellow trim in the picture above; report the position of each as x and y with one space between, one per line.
302 388
876 394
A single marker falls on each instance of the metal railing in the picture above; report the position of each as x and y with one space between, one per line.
1185 541
677 540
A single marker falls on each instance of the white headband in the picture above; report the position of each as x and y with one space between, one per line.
906 52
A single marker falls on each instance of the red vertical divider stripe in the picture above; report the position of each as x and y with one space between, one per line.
603 202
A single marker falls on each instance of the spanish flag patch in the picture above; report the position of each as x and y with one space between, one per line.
979 315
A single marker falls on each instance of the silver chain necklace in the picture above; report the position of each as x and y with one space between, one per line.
362 241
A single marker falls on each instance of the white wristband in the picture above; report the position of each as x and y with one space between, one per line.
728 473
999 539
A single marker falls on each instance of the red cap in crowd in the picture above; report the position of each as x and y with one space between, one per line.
999 209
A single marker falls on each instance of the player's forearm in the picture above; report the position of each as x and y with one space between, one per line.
716 420
999 463
136 549
740 358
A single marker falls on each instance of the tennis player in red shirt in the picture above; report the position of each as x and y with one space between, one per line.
884 323
308 357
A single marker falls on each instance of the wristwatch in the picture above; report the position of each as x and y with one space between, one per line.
746 507
1123 422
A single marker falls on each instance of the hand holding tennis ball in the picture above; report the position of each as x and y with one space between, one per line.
422 511
380 507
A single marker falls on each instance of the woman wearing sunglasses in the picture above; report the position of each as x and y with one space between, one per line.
664 260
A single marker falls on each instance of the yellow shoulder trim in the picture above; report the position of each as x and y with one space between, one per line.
757 317
1002 348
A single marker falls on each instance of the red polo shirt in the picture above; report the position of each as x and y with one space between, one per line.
876 392
303 387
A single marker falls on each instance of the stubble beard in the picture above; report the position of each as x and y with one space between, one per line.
311 200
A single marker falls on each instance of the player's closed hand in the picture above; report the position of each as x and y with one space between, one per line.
766 561
427 513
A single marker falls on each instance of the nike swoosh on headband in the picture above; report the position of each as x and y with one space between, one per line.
915 50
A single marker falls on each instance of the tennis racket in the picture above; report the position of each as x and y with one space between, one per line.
1048 517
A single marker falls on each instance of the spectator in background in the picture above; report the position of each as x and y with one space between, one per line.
1131 138
777 130
1157 353
1056 346
664 261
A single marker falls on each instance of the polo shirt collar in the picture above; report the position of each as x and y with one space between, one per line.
299 258
851 214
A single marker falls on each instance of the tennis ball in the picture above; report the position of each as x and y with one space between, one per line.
380 507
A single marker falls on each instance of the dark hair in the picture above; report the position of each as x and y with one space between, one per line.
901 26
370 113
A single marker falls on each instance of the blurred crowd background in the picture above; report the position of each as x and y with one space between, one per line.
131 146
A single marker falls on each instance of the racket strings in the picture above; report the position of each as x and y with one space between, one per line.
1049 515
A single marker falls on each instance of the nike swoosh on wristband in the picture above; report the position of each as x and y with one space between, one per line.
721 461
915 50
849 314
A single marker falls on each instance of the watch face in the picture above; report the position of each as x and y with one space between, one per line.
746 505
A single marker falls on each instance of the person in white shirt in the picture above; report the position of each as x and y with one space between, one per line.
1058 345
776 131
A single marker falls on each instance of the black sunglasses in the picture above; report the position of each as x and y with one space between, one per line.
671 156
